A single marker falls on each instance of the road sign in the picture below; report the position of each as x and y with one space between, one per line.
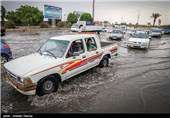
52 12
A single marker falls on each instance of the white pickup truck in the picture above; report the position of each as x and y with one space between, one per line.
58 59
82 26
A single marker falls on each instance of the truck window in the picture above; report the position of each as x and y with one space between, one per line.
76 47
91 44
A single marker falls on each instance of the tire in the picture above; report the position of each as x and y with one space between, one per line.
47 85
104 62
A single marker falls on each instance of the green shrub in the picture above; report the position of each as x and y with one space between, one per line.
10 24
69 24
63 24
44 25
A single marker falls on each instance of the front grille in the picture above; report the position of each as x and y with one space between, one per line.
13 76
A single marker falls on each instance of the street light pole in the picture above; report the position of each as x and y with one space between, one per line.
93 9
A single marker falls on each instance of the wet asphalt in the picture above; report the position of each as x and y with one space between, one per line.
136 81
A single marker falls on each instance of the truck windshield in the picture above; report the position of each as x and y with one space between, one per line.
56 48
140 35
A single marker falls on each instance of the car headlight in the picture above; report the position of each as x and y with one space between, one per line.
27 81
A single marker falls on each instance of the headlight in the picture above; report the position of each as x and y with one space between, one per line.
27 81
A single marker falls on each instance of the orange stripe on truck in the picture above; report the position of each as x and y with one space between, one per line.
79 63
73 64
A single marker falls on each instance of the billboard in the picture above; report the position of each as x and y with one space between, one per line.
52 12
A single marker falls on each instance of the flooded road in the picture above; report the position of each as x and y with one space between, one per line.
135 81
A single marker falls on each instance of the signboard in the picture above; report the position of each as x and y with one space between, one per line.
52 12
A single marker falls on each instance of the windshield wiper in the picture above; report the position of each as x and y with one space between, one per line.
50 53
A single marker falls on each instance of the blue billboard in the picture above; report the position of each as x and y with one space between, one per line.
52 12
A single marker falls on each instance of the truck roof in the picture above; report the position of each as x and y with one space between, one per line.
72 37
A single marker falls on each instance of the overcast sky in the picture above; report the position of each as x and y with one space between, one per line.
110 10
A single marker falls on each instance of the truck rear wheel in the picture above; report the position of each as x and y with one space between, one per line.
47 86
104 62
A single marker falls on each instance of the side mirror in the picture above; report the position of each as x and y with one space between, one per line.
76 54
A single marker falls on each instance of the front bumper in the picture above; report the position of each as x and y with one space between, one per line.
26 90
115 37
137 45
155 35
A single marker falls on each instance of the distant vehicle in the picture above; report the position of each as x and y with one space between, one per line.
59 59
130 32
84 26
139 40
108 29
155 32
116 35
166 31
6 53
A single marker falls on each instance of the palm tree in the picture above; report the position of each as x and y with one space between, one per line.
155 16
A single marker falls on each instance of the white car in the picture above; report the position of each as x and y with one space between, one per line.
155 33
139 40
116 34
57 60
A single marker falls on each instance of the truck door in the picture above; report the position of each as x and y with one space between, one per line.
92 52
77 59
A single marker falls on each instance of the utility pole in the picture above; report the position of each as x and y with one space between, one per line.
93 9
138 17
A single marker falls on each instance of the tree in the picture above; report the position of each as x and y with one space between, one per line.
72 18
25 15
86 17
155 16
77 14
3 14
12 16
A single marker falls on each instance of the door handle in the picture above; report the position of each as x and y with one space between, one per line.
84 56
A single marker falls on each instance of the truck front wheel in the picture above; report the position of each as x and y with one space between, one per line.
47 86
104 62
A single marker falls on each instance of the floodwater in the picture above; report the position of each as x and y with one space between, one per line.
135 81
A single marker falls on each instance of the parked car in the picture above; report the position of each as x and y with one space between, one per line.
57 60
6 53
139 40
155 32
116 35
